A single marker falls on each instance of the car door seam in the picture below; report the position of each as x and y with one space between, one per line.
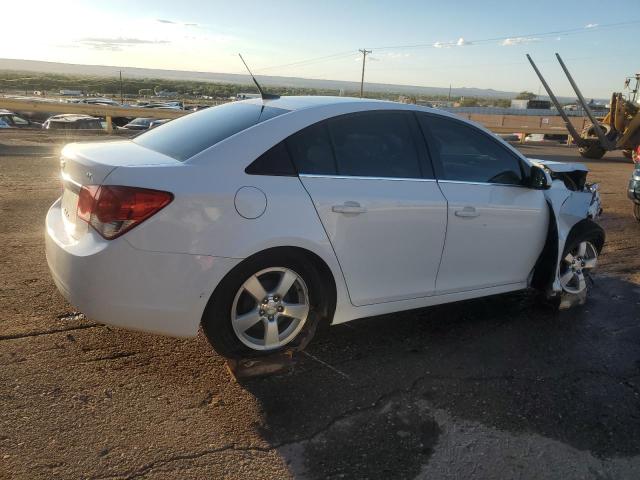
446 230
335 254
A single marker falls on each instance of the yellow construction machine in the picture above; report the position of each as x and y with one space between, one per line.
618 130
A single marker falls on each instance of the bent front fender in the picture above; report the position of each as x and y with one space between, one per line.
568 208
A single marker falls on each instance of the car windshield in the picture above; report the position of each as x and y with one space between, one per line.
186 136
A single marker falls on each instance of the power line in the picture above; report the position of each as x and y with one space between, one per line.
310 60
345 54
497 39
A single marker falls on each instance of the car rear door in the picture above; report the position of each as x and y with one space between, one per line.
373 187
496 225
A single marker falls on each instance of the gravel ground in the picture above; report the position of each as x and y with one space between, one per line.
496 387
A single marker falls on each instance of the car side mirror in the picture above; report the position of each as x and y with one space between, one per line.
539 179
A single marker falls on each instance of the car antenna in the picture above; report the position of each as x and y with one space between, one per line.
263 94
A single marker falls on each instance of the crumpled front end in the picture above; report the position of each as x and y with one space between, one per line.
571 200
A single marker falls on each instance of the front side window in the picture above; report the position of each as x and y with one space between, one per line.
468 154
375 144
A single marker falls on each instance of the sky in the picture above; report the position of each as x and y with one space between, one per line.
461 43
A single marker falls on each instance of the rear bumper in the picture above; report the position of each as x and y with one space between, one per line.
117 284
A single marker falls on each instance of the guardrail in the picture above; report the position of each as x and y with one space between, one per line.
550 124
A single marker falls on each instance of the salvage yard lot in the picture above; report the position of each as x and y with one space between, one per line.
485 388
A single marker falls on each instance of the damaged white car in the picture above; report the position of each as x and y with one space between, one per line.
258 219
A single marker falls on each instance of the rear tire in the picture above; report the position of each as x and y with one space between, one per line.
636 211
238 324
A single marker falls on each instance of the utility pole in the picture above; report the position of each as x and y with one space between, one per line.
364 53
121 97
449 97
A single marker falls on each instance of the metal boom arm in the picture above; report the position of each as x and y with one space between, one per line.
572 130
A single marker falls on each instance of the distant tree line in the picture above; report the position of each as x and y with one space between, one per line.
52 83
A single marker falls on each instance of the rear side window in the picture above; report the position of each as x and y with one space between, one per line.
275 161
468 154
186 136
311 150
375 144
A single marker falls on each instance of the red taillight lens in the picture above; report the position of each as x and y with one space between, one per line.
85 201
113 210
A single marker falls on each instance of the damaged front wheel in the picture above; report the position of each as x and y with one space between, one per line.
579 259
576 265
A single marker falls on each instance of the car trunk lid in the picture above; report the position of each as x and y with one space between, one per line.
83 164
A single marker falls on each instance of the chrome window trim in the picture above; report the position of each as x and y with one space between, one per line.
403 179
483 183
395 179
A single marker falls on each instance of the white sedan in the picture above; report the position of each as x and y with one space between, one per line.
258 219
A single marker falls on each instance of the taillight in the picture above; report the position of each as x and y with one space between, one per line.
113 210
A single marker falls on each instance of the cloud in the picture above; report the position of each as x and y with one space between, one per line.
461 42
172 22
591 25
116 44
510 42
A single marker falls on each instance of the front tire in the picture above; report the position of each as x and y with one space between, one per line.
636 211
579 259
268 303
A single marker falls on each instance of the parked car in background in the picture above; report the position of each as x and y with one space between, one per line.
72 121
197 108
161 105
139 124
11 120
545 138
97 101
633 191
159 121
259 219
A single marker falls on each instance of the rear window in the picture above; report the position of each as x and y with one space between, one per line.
186 136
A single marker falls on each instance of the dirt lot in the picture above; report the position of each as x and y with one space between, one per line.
496 387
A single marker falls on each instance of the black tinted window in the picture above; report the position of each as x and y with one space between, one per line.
186 136
468 154
275 161
375 144
311 150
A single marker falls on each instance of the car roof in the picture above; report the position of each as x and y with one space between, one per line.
303 102
6 112
71 117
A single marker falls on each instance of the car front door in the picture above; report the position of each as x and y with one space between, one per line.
496 226
372 185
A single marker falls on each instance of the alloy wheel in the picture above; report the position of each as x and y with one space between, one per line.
270 308
575 265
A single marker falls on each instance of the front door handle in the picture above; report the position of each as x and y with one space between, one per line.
467 212
349 207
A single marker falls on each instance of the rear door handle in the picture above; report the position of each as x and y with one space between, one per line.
349 207
467 212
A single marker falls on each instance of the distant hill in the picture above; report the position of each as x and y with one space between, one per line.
294 82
